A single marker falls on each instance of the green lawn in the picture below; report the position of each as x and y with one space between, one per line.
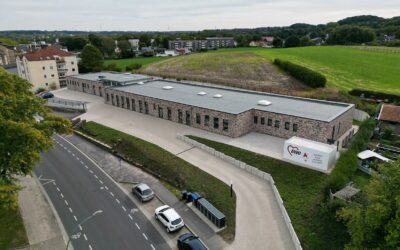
12 230
345 67
171 169
302 191
122 63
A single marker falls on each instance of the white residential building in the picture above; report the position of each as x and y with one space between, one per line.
47 67
134 44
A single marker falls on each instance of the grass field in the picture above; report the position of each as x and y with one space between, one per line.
171 169
122 63
12 230
302 191
345 67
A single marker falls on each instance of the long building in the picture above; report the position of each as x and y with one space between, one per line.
208 43
221 110
47 67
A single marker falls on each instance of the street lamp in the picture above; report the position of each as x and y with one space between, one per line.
78 235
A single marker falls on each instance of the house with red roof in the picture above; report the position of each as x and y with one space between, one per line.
47 67
389 118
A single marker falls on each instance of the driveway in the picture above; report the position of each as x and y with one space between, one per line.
259 224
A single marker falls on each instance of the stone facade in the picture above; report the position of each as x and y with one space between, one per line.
234 125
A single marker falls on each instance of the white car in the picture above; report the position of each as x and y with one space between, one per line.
169 218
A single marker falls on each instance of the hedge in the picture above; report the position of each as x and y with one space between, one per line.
374 95
307 76
346 165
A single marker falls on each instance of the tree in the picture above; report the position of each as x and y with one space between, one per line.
26 127
305 41
277 42
375 223
92 59
125 48
74 43
95 40
292 41
348 34
107 46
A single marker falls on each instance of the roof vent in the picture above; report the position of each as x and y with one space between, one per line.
217 96
202 93
264 103
140 83
102 77
168 87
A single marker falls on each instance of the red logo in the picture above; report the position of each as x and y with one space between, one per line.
293 150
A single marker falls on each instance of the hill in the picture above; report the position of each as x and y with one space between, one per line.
234 68
346 68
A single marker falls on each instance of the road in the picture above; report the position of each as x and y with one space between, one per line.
78 188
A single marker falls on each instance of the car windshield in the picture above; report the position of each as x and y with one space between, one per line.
146 192
176 222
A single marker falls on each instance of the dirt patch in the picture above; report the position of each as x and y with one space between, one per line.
244 70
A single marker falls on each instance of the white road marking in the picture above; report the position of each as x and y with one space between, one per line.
58 189
101 181
130 217
152 247
95 176
91 171
77 158
84 236
54 183
68 151
106 187
80 227
90 247
86 166
73 154
112 194
76 219
144 235
62 196
117 201
124 208
66 202
82 162
137 226
70 209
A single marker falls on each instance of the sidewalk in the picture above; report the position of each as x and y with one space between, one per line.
41 226
124 172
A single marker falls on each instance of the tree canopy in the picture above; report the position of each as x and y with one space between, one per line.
375 222
92 59
26 126
348 34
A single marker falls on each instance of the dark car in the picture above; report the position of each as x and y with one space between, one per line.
188 241
46 95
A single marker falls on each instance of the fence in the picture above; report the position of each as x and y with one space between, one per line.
65 103
254 171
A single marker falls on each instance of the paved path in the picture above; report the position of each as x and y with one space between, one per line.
41 226
259 224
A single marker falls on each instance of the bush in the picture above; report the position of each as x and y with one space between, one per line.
387 134
374 95
133 66
346 166
39 90
307 76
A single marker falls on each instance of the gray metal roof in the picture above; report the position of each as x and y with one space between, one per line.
205 203
236 101
115 77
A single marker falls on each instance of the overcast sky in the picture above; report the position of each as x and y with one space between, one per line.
164 15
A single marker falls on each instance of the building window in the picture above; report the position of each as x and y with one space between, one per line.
43 67
127 103
180 116
169 113
262 120
198 118
255 119
295 127
72 63
108 97
47 84
51 67
187 118
52 75
277 123
122 102
225 125
287 125
154 106
133 105
112 99
117 98
160 112
45 76
206 120
140 107
216 122
146 108
73 69
269 122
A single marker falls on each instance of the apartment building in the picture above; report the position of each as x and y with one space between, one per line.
231 112
47 67
7 55
208 43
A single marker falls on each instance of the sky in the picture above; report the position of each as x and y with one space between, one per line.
181 15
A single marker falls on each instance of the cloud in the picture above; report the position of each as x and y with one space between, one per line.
142 15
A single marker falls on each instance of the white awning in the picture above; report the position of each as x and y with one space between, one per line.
371 154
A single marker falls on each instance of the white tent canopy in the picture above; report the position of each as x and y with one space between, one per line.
367 154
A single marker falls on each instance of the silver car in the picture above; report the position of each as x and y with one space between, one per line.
143 192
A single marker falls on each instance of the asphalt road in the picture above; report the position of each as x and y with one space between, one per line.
78 188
